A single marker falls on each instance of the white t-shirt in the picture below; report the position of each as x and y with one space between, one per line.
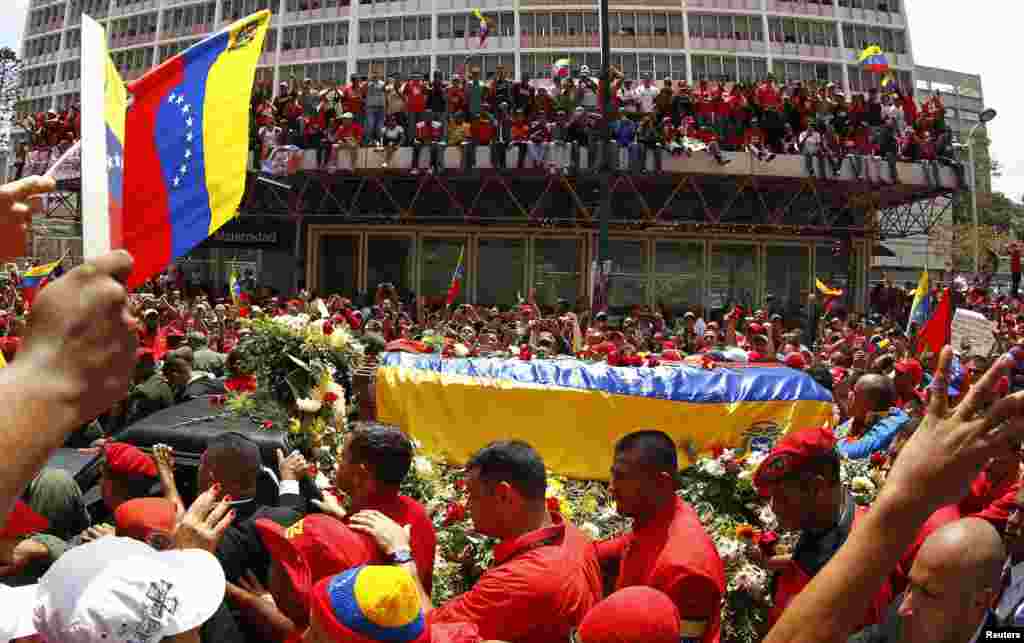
645 96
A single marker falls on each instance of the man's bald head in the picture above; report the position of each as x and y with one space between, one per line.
953 583
971 549
878 392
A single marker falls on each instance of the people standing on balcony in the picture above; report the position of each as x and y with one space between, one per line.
309 98
523 94
482 133
626 99
541 102
502 138
663 100
284 96
353 100
437 101
428 135
476 91
875 111
376 107
559 148
316 128
501 87
349 137
540 139
682 103
415 95
597 143
394 103
624 135
646 94
587 90
392 137
576 137
458 134
811 145
755 143
456 98
293 118
649 138
888 147
565 97
520 136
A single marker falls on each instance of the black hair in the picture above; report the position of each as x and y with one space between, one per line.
384 448
236 458
514 462
655 448
880 391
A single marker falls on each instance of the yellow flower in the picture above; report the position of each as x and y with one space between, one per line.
555 487
294 426
565 508
590 503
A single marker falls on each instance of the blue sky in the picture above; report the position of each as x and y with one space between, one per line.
944 33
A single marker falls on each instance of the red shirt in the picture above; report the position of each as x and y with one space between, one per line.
983 493
355 130
242 384
423 539
768 97
483 131
540 587
415 97
352 99
998 512
427 133
673 553
1015 259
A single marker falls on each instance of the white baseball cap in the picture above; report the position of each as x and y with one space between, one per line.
18 602
117 590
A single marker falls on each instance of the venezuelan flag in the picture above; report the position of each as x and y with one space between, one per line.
921 309
235 287
825 290
35 276
460 271
187 145
873 59
573 412
115 105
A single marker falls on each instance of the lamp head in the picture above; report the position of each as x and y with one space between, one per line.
987 115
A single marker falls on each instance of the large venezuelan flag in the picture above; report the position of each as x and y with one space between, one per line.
873 59
187 146
115 105
573 412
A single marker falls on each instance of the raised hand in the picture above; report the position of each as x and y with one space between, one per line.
205 522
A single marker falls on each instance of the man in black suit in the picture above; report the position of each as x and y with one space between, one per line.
954 584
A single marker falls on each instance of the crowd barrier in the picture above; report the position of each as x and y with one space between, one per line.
573 412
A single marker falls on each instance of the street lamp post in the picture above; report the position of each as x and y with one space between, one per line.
984 117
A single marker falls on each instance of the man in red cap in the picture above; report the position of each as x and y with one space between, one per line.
908 376
631 615
148 520
545 576
668 548
314 548
23 559
796 360
801 477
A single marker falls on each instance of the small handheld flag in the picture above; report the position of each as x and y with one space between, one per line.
456 285
33 280
921 309
825 290
235 286
560 69
485 26
187 145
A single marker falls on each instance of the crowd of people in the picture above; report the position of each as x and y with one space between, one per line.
936 558
548 121
49 134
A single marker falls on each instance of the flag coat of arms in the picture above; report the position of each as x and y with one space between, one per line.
187 144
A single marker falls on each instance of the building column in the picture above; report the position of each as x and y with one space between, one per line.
353 41
686 31
517 62
276 18
770 58
841 39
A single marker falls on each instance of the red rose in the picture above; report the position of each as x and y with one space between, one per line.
877 458
456 512
460 485
717 451
524 353
218 400
766 541
330 398
267 424
553 504
328 328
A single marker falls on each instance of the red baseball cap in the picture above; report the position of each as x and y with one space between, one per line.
913 368
23 521
792 453
126 460
796 360
838 375
316 547
141 518
636 613
755 329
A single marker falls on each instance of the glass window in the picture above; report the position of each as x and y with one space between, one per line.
329 34
695 30
628 26
503 261
424 28
459 26
444 26
315 32
390 260
678 67
558 24
675 24
365 34
543 24
590 23
556 269
380 31
679 275
527 24
440 258
725 28
661 67
733 278
787 278
628 284
804 31
339 265
395 30
575 24
643 24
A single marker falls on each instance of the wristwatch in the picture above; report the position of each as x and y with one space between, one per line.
401 557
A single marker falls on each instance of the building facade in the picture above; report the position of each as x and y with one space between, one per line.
328 40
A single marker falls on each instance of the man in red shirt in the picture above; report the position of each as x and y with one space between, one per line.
1000 477
349 136
428 134
909 374
545 576
415 94
668 548
374 461
1015 251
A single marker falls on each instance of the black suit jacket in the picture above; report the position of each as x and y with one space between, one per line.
889 630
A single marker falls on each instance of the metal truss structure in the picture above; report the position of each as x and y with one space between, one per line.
65 202
712 203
